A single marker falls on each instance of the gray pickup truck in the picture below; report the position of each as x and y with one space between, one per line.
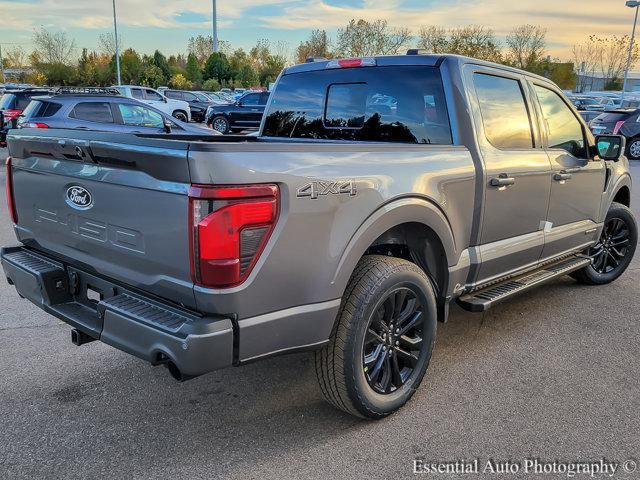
378 191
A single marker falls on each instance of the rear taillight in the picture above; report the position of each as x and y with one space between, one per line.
230 226
619 124
9 188
33 125
11 114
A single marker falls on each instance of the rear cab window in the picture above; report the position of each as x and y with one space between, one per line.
403 104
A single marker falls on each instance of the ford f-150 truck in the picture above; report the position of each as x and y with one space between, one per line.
378 191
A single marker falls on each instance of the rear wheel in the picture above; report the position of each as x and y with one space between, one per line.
633 148
383 340
614 250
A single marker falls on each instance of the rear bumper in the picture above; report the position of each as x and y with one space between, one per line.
134 323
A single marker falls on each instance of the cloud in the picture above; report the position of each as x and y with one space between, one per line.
567 21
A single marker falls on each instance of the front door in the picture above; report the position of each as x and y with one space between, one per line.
517 182
578 181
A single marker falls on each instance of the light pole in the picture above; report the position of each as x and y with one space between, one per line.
215 28
115 28
631 4
2 65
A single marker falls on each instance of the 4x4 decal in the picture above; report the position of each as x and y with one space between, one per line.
319 188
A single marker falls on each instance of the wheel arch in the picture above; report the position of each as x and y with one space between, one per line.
623 195
411 228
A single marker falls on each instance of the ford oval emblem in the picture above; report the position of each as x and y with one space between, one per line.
79 197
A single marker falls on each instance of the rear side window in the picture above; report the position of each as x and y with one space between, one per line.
251 99
504 112
375 104
137 93
152 95
99 112
8 101
563 128
40 109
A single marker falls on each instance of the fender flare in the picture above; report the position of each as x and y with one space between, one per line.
623 181
389 215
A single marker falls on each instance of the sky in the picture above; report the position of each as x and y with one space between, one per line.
166 25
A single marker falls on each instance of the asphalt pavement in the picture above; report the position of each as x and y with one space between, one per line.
551 375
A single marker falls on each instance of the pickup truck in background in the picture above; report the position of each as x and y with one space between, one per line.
176 108
377 191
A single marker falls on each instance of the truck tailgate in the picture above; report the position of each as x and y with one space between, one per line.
119 210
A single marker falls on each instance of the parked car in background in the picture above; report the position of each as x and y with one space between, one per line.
176 108
198 102
585 103
12 104
244 114
101 111
589 115
220 98
620 122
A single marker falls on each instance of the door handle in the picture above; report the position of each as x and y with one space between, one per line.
502 181
562 176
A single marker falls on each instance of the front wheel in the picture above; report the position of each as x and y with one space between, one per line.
633 148
382 343
615 248
220 124
180 116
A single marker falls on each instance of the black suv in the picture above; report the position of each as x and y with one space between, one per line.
620 122
244 114
12 104
198 102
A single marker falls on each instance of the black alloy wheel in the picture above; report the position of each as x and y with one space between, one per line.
393 341
610 251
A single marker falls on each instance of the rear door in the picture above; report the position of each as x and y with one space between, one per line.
517 172
249 113
130 223
92 116
578 181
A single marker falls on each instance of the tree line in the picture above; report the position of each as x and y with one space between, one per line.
54 60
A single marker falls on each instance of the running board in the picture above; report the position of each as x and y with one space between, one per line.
487 297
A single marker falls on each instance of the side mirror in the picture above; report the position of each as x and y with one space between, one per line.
167 126
610 147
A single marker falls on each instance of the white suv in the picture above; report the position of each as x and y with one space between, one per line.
176 108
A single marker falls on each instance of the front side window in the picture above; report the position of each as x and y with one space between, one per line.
99 112
563 128
152 94
140 116
404 104
189 97
174 95
137 93
504 112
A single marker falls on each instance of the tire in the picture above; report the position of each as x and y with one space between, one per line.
352 377
180 115
615 248
633 148
220 123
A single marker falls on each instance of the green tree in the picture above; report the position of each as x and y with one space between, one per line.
152 76
160 61
192 70
317 45
211 85
130 66
217 66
